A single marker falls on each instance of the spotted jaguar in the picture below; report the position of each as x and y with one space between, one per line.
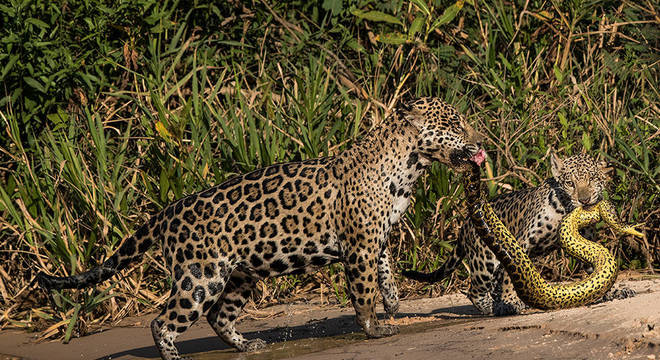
293 218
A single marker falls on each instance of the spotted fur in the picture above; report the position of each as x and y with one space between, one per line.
290 219
532 215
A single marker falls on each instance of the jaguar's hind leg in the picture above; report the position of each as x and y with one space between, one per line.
226 310
192 296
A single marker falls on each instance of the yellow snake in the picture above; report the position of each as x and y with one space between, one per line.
531 288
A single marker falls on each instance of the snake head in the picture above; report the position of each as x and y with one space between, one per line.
632 230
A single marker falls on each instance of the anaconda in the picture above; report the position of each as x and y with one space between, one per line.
530 286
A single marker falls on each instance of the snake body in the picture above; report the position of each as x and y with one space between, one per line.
531 288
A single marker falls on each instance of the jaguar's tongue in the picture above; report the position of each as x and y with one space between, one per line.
479 157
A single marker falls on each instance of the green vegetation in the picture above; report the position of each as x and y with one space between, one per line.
112 109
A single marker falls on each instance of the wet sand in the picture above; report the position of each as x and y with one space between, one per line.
446 327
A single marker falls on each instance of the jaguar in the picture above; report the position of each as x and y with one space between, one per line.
293 218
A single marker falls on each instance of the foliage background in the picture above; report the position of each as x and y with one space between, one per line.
112 109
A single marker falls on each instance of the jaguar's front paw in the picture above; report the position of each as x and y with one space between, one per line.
391 307
502 308
621 293
252 345
383 330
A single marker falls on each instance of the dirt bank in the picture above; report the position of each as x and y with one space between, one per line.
446 327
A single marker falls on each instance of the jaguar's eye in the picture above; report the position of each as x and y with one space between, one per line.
570 184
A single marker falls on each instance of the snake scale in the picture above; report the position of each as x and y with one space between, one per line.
531 288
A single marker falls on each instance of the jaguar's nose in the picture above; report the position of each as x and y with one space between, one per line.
585 200
584 195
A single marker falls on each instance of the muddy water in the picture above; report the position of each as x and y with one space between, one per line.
292 348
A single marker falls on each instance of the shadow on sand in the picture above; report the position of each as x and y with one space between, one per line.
322 328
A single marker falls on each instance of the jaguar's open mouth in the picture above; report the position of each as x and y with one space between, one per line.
464 156
590 205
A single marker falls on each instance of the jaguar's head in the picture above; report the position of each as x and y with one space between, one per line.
444 135
582 177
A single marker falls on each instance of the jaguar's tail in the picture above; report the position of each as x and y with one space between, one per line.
131 250
447 268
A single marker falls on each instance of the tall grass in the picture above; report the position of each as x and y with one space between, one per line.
110 112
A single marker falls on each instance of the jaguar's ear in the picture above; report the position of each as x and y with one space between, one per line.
606 168
556 164
603 165
405 105
409 112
